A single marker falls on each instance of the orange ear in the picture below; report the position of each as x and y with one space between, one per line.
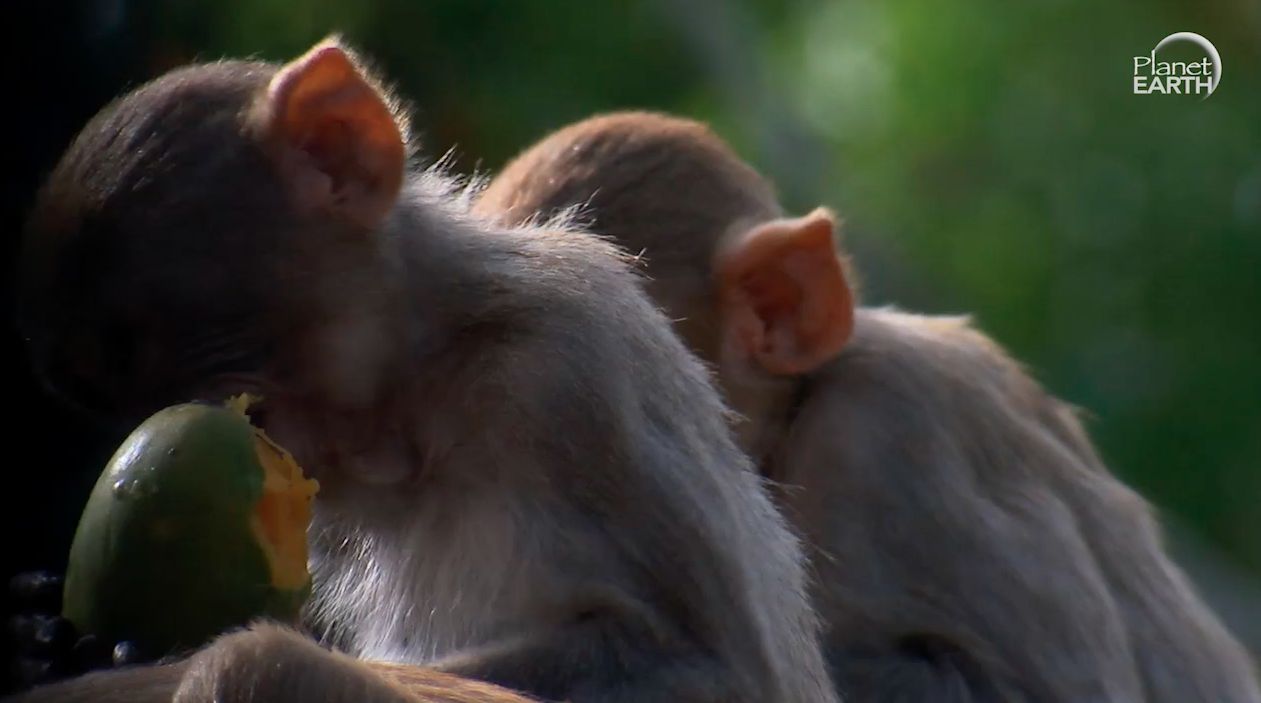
344 148
785 302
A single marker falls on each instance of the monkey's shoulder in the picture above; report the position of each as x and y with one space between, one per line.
932 382
931 355
572 303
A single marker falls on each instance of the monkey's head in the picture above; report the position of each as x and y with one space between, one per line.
750 289
201 229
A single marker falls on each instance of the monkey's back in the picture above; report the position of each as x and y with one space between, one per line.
994 527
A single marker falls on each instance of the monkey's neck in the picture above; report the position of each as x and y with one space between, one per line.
765 407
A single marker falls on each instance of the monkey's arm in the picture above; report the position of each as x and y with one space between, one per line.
269 664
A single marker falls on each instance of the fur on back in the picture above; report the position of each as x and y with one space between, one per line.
1011 530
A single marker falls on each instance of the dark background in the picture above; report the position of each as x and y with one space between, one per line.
988 156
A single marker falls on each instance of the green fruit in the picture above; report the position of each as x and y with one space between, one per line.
197 525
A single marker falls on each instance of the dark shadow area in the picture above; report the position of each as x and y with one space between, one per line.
66 59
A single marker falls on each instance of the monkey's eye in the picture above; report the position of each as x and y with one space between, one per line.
89 367
115 350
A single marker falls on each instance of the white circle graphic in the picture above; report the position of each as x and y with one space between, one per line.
1204 44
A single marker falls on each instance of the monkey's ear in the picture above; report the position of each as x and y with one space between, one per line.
786 305
342 148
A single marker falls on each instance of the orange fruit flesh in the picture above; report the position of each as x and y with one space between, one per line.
283 513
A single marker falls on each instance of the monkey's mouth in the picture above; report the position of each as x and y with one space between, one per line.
266 415
265 411
323 450
257 412
255 408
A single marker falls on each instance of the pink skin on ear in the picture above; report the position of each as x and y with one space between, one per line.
343 150
785 303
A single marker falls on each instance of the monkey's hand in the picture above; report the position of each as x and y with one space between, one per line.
48 646
272 663
263 664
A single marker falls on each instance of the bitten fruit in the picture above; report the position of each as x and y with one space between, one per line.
197 525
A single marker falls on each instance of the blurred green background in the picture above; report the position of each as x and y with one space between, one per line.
989 157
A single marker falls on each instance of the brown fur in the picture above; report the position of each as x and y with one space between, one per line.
969 545
526 478
268 663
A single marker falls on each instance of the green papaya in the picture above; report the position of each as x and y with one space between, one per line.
197 525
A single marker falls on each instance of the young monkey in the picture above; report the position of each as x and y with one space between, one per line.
968 544
526 477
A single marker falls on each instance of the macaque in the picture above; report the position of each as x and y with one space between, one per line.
526 478
967 542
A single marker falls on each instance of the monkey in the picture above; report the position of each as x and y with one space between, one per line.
967 541
526 478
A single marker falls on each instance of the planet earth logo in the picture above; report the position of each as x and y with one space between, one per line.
1179 77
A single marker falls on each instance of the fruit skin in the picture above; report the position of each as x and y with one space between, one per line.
166 555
